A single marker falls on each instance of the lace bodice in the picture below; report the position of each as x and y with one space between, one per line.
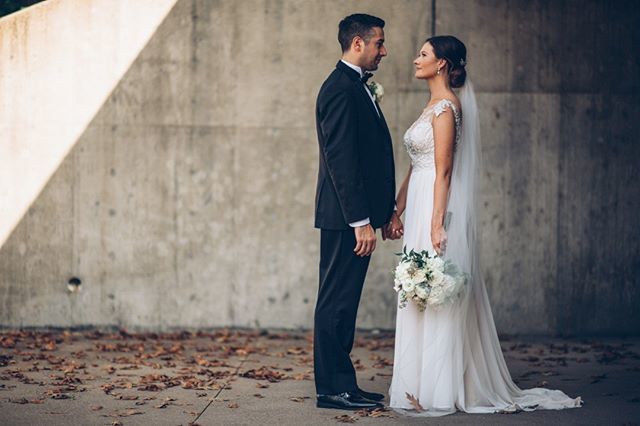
418 139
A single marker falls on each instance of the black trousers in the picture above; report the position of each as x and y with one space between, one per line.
342 275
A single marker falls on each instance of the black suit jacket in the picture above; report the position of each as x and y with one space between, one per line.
356 177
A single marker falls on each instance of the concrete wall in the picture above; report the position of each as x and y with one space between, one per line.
188 199
60 61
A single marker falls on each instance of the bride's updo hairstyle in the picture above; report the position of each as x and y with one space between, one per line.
455 53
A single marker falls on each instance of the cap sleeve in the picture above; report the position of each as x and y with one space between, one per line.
442 106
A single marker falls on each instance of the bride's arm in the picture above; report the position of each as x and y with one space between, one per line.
444 137
401 199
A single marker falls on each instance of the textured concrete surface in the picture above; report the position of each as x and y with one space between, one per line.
559 130
232 377
60 60
188 199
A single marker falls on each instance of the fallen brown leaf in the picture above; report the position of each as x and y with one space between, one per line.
107 387
127 397
414 401
263 373
49 346
345 418
129 412
301 376
378 412
382 363
153 387
110 369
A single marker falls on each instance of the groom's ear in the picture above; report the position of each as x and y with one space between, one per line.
357 44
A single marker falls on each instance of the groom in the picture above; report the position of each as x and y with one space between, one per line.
354 196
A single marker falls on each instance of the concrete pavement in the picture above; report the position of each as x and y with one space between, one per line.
248 377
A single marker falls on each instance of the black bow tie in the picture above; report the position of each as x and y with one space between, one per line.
365 77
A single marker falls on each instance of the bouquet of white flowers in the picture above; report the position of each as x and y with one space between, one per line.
427 280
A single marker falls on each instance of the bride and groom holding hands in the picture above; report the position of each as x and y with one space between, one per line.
446 358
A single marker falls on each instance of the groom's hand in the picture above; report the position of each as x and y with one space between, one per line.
365 240
394 229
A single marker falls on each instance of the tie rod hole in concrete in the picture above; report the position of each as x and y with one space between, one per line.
73 285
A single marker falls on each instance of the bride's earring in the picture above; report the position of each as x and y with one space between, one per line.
438 71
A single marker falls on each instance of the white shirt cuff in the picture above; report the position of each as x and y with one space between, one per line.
359 223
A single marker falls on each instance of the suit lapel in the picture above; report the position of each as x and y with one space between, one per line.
383 120
353 75
369 103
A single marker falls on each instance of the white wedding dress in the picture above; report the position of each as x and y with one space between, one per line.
450 359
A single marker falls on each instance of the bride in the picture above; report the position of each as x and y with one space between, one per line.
450 358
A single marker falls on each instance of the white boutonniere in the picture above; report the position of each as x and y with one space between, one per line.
376 90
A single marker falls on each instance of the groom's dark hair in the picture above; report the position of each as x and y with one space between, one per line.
358 24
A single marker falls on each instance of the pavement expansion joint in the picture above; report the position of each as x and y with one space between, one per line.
225 385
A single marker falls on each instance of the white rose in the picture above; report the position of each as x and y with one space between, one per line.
376 90
437 263
437 278
403 271
408 286
419 277
421 292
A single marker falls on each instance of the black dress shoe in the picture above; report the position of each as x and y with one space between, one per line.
371 395
345 401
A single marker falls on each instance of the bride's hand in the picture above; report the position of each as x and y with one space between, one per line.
438 239
396 228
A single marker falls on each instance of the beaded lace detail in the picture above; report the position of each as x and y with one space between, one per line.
418 139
